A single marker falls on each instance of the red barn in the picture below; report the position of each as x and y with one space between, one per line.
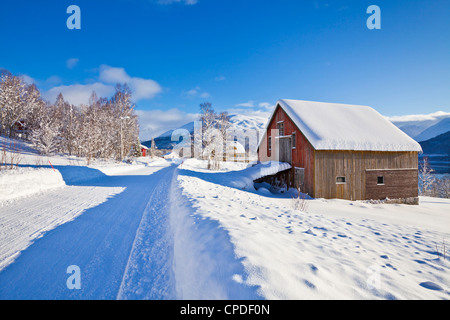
341 151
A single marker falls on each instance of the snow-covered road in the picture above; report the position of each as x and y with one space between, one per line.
119 242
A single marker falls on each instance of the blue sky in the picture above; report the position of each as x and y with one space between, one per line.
240 55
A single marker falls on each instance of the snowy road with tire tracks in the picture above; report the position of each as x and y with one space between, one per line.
119 242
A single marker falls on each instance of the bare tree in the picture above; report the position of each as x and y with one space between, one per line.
210 134
153 148
426 178
441 187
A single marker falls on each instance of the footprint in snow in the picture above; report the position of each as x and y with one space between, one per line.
391 266
309 284
431 286
314 269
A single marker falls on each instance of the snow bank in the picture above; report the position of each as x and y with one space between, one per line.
241 175
204 262
337 249
22 182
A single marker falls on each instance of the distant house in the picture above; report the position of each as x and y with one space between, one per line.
144 150
341 151
21 128
235 151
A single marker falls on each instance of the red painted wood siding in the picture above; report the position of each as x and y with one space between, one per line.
303 154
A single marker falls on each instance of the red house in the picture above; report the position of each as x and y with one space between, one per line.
144 150
341 151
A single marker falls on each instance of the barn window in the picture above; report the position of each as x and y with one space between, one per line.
380 180
280 127
340 180
270 143
293 140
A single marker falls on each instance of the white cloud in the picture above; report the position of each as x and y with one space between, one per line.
419 117
196 92
28 79
192 92
72 62
153 123
113 75
141 88
220 78
266 105
49 82
252 108
78 94
249 104
104 86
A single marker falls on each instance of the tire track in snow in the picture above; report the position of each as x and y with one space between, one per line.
148 274
21 223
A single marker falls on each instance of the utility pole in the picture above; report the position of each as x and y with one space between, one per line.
121 136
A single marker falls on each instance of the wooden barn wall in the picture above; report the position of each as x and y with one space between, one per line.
353 165
397 184
302 155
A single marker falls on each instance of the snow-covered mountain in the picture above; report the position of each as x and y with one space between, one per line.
439 128
238 121
423 127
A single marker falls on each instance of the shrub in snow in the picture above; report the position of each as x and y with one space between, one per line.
299 201
9 157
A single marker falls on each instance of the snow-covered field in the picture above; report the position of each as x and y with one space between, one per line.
171 229
337 249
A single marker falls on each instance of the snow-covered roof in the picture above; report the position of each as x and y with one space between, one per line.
333 126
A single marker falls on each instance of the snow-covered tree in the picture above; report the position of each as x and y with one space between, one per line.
153 149
105 128
426 178
124 119
45 134
210 134
14 104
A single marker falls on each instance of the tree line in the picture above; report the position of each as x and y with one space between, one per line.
104 128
